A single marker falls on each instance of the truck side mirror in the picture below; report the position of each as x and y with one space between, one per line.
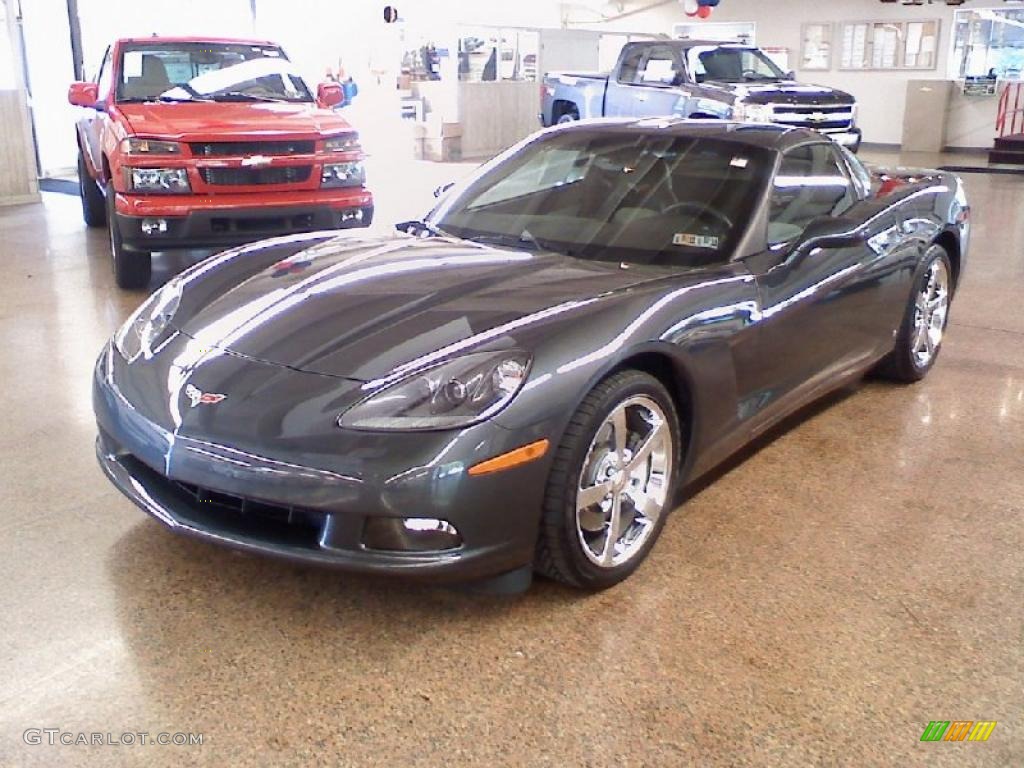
84 94
329 95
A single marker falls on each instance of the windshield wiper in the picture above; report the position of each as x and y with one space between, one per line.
239 96
511 241
417 228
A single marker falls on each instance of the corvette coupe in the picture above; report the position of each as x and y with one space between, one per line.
522 381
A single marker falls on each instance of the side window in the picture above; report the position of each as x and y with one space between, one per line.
661 67
106 75
629 72
810 183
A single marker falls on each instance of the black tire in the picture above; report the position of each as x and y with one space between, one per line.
571 116
902 364
559 553
94 202
132 269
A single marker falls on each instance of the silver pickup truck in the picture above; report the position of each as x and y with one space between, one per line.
700 79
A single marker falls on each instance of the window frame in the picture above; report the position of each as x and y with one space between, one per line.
853 188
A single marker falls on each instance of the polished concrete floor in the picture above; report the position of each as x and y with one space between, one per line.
817 603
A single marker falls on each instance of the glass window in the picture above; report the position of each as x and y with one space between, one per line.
988 43
105 78
810 183
208 71
732 64
630 72
661 67
490 54
615 196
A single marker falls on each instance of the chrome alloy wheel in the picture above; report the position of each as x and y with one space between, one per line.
931 308
623 486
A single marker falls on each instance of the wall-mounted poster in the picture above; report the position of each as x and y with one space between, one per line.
816 49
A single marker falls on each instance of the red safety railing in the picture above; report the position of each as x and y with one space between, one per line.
1011 118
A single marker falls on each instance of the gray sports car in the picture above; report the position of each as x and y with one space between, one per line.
522 381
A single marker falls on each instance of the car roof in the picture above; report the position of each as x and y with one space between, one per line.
764 135
688 43
195 39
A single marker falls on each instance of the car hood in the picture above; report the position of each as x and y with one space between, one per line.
209 122
362 308
785 92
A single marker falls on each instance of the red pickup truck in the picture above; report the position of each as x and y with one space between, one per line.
208 143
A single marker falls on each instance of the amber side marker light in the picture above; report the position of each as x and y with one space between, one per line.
523 455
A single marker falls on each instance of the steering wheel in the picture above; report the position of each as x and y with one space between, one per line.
750 73
700 210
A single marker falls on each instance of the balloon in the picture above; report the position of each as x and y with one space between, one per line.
690 7
704 11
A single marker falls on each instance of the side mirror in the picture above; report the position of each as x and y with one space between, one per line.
329 95
443 188
791 75
84 94
833 232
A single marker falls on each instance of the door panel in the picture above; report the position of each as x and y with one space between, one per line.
824 311
647 84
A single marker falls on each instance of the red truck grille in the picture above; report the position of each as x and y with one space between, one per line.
290 174
248 148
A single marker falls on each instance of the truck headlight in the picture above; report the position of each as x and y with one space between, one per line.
348 142
343 175
753 113
145 328
160 180
133 146
455 393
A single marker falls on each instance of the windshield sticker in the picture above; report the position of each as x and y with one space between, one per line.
739 162
696 241
132 64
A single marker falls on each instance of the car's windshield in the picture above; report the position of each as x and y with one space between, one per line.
646 198
208 72
727 64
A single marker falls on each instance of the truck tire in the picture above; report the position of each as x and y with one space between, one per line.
570 116
132 269
94 206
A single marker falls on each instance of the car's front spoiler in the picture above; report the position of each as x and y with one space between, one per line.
159 497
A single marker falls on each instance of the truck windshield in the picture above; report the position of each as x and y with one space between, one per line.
640 198
207 72
728 64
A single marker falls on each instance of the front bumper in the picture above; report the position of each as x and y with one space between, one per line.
230 220
280 503
850 139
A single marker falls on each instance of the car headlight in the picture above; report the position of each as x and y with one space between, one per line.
132 146
456 393
753 113
145 328
160 180
348 142
343 175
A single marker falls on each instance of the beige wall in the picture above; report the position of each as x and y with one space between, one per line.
494 116
17 162
882 95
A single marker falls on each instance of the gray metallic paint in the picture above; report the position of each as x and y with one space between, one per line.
749 342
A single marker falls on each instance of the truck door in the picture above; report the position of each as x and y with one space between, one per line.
92 124
646 83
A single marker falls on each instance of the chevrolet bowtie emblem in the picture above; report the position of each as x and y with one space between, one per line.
197 397
256 161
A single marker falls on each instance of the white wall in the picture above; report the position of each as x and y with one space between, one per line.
881 94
